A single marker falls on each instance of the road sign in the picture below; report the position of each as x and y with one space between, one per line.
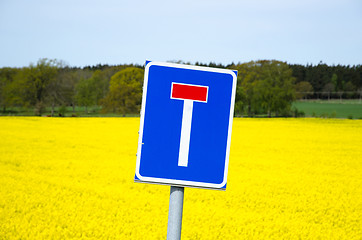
185 128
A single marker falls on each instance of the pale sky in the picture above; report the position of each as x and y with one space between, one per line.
88 32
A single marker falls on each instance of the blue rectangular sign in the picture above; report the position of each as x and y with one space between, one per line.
185 127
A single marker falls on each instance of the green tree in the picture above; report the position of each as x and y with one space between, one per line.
101 84
73 78
350 89
239 101
303 89
86 93
40 77
328 89
7 76
268 87
67 79
245 94
20 91
125 91
334 81
61 91
276 87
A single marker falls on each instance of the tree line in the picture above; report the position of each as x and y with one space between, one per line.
323 81
264 87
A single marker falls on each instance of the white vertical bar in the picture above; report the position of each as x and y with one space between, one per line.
183 157
175 213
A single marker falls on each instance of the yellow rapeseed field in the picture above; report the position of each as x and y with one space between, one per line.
69 178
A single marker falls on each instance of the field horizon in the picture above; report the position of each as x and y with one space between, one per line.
316 108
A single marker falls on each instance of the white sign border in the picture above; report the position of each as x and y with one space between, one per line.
143 107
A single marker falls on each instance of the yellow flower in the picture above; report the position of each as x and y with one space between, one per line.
72 178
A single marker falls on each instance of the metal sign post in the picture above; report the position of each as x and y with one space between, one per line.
175 213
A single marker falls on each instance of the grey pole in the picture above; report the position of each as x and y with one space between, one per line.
175 213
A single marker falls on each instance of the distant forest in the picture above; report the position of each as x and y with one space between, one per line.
264 87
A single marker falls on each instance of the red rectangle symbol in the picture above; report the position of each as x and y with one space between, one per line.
189 92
